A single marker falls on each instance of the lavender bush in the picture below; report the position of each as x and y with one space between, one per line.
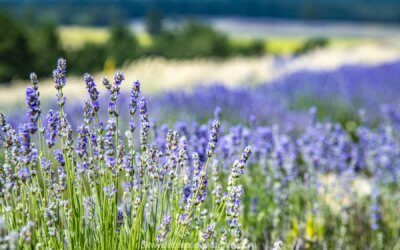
100 188
115 179
338 95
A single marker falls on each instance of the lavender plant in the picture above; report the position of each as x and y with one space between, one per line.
112 178
98 187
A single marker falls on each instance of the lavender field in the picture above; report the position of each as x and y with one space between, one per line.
308 161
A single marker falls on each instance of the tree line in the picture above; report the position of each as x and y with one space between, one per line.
24 47
92 12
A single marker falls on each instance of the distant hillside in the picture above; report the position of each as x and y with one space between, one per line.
107 11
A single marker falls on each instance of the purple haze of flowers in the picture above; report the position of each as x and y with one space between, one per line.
285 101
190 161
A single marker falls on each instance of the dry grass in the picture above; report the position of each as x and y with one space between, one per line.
158 74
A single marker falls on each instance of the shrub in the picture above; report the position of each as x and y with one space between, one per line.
15 54
91 56
154 23
46 46
122 45
312 44
192 40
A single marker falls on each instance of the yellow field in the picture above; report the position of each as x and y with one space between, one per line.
76 36
285 45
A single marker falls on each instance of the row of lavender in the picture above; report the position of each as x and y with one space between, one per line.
338 95
113 179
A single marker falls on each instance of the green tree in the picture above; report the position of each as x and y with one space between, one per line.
89 58
154 23
46 46
192 40
312 44
15 54
122 45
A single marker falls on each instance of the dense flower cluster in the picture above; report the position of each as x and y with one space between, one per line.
121 181
95 187
339 95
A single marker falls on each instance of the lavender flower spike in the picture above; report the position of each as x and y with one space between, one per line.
59 73
34 81
33 108
25 139
145 123
164 229
212 143
52 127
118 78
92 90
134 95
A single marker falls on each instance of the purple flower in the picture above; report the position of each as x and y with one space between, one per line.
109 191
24 174
208 234
110 136
112 108
59 74
82 141
143 106
34 111
118 78
25 142
164 229
212 142
114 90
187 191
120 218
144 123
92 90
52 119
34 81
82 167
46 165
106 83
59 157
200 180
246 155
88 112
3 121
375 209
127 165
134 95
233 206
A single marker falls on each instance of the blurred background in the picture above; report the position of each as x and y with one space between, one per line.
314 84
181 44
